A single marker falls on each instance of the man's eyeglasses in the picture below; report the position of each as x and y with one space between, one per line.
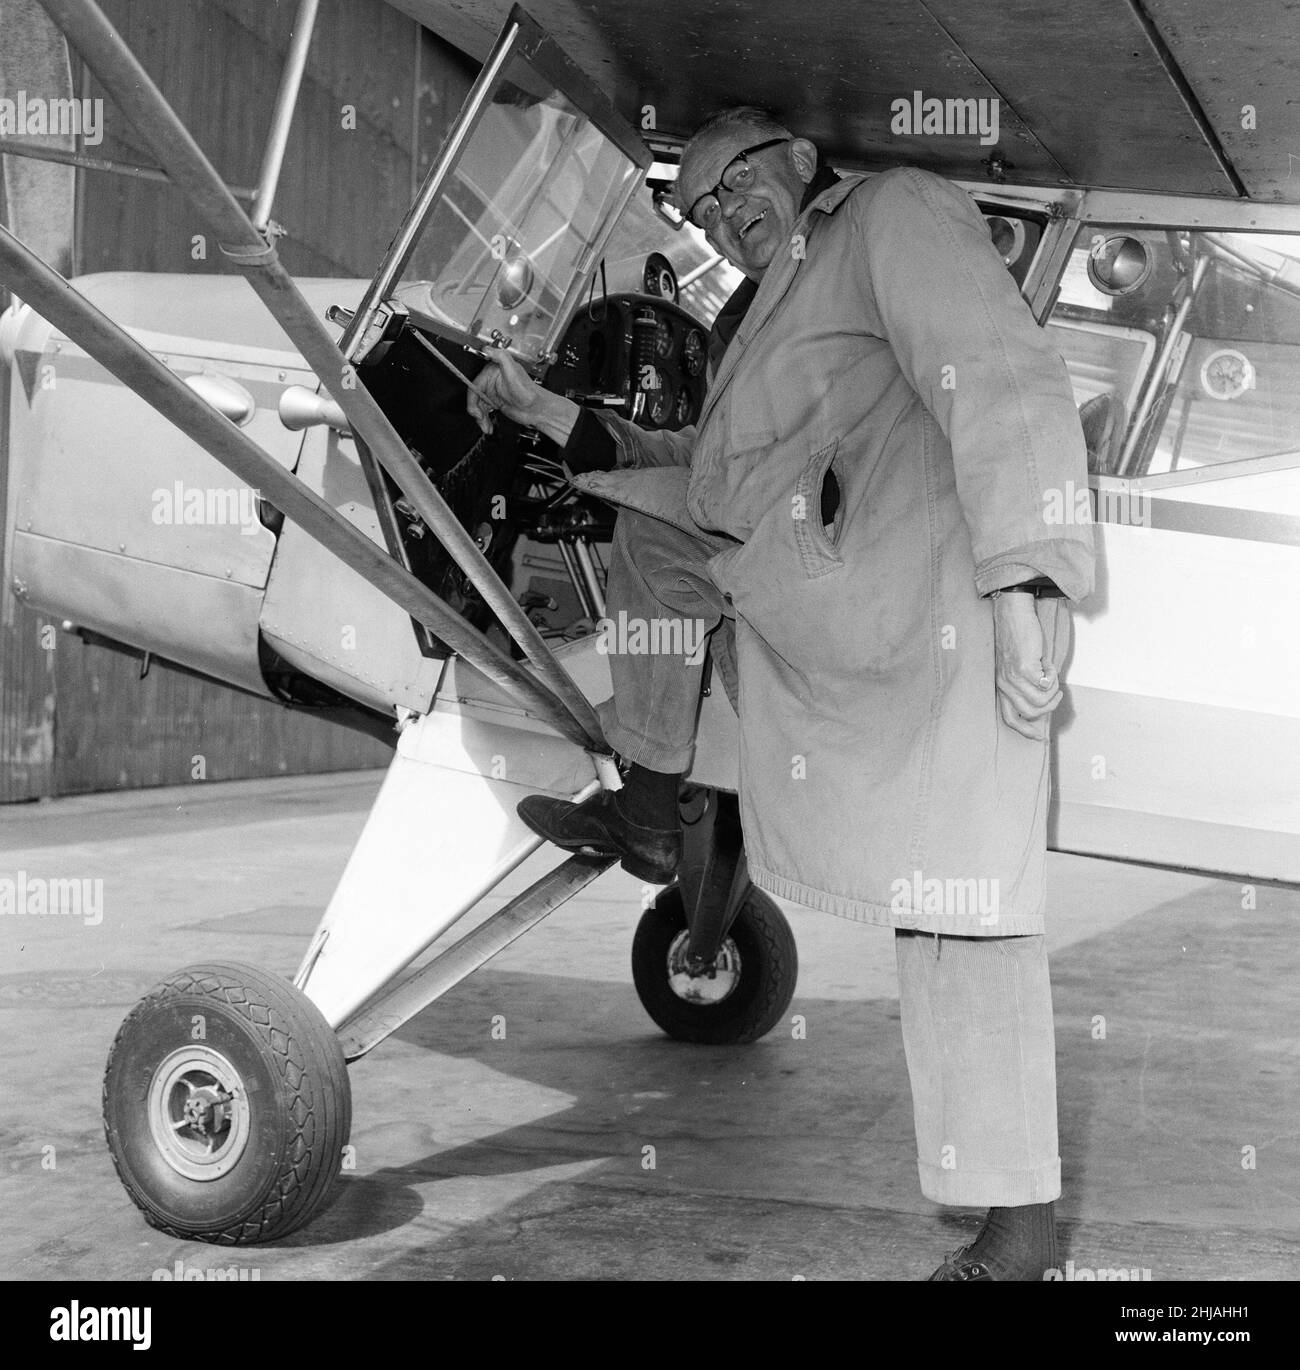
737 175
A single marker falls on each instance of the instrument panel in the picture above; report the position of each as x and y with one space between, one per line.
636 355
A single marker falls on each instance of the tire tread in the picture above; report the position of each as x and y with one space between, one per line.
302 1055
769 996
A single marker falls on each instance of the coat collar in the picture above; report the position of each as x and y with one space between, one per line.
776 282
830 199
732 314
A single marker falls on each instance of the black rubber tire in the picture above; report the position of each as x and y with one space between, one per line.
769 970
299 1104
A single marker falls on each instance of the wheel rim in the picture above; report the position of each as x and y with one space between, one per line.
710 986
198 1112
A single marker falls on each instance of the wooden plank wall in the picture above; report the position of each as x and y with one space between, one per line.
75 718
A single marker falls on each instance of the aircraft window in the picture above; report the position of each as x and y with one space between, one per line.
1108 343
707 293
1204 349
1230 402
1107 363
509 240
1235 392
706 279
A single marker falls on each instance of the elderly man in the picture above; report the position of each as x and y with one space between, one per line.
864 497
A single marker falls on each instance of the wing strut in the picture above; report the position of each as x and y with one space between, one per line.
254 254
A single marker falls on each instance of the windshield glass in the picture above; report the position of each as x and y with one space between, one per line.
514 229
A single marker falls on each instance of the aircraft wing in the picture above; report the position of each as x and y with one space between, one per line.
1100 94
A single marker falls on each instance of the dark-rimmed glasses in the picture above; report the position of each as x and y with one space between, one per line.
737 175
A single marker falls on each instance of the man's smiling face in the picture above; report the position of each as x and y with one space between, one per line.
755 223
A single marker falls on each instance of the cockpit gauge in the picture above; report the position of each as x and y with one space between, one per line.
693 353
660 403
659 277
647 358
1226 374
682 409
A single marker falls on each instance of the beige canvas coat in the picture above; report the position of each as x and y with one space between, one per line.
891 345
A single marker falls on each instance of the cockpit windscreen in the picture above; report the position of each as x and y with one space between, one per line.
512 234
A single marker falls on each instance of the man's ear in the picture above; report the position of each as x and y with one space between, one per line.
804 155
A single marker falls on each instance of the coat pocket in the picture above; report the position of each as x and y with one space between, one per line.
789 543
846 600
790 582
817 541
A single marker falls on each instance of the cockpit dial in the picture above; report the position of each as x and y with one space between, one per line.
693 352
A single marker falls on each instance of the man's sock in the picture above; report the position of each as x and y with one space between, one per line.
649 798
1017 1243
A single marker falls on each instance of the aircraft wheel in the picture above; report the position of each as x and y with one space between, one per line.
226 1105
743 994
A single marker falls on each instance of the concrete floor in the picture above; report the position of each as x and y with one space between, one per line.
480 1158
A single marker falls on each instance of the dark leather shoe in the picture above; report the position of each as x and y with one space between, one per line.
597 827
959 1267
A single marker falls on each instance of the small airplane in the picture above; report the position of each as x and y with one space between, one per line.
302 508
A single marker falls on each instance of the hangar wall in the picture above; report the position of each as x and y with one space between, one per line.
75 718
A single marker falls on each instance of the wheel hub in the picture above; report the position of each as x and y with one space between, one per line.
702 982
205 1109
198 1112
